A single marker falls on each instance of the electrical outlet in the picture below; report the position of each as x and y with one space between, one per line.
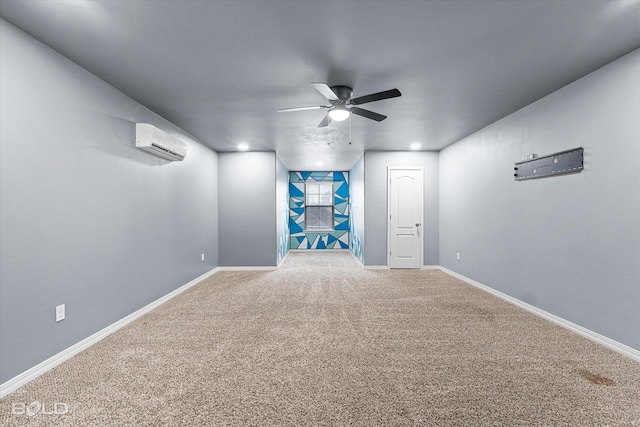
458 256
202 257
60 313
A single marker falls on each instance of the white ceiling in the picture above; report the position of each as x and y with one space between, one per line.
221 69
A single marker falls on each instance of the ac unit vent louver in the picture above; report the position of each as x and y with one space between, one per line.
157 142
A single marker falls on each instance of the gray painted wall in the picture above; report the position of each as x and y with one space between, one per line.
569 245
375 200
356 182
247 209
86 219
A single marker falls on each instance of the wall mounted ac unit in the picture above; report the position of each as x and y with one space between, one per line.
155 141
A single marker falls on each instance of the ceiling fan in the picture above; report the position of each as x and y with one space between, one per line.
342 105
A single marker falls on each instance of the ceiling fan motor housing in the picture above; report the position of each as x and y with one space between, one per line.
343 93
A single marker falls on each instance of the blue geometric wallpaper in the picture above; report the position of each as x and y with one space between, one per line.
299 238
355 246
283 239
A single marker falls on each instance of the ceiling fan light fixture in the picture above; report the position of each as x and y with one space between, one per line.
339 113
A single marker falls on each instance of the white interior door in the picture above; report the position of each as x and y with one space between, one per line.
405 217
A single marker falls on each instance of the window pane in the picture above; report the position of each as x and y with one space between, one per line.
326 188
313 199
319 217
326 217
325 199
312 188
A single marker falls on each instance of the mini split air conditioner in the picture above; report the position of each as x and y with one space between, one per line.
155 141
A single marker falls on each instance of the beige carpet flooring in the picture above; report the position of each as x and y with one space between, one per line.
323 342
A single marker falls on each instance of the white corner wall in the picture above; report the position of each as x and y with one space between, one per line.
569 245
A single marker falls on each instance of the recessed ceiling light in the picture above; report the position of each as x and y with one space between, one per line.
319 163
243 147
415 146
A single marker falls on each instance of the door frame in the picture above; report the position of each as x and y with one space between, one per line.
388 221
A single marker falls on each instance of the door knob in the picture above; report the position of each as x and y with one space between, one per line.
417 224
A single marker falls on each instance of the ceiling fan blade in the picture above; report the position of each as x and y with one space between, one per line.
368 114
392 93
325 122
326 91
286 110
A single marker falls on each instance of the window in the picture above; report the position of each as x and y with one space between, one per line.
319 206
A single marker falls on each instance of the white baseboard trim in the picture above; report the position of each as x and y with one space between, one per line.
284 258
29 375
430 267
248 268
357 259
593 336
376 267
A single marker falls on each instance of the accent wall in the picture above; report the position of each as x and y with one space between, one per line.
356 209
302 239
282 209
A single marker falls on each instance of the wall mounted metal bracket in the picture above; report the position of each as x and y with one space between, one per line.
563 162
